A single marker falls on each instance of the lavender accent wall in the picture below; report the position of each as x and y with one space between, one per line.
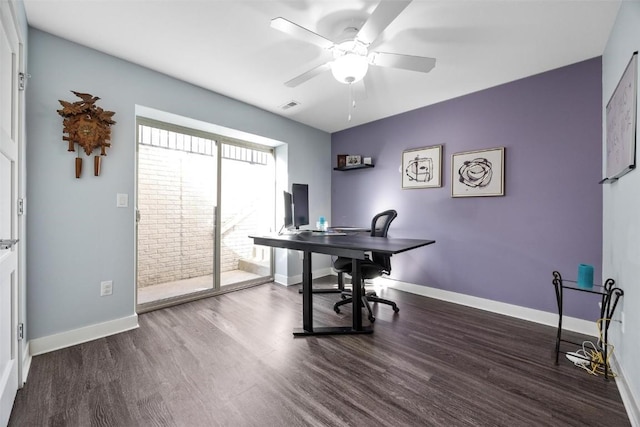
499 248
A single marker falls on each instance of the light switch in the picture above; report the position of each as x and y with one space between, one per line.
122 200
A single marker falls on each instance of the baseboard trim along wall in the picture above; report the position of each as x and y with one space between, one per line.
281 279
628 399
537 316
26 362
81 335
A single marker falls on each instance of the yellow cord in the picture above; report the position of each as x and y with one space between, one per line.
598 365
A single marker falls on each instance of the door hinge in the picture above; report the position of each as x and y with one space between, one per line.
137 215
20 331
7 243
22 80
20 206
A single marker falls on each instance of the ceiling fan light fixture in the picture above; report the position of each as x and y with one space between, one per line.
349 68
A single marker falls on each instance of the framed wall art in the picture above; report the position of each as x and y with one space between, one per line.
621 124
478 173
422 167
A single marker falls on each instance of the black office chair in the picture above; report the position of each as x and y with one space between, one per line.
375 266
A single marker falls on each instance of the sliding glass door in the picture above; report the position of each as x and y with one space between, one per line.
199 197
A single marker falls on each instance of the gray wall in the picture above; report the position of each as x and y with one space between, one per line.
621 253
498 248
77 236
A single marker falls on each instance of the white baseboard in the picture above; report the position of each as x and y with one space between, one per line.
281 279
84 334
26 363
537 316
628 399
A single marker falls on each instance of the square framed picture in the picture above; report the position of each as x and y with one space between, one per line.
353 160
478 173
422 167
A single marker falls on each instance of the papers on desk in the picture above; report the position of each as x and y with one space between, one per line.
308 233
327 233
351 229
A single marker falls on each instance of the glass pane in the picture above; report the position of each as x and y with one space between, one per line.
247 207
177 193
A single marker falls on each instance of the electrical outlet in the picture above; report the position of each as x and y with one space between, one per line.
106 288
622 322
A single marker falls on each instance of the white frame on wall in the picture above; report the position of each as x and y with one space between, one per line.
621 124
478 173
422 167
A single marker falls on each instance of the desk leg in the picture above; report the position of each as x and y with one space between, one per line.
356 294
307 306
307 293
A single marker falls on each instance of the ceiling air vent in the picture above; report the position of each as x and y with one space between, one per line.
290 104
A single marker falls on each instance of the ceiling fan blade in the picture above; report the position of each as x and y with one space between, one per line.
300 33
406 62
308 75
382 16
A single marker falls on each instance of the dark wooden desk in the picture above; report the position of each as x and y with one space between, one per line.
340 288
351 246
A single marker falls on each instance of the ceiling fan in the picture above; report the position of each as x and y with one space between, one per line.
351 56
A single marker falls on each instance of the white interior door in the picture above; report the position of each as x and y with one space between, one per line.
9 55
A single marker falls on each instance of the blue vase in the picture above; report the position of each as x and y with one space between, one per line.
585 276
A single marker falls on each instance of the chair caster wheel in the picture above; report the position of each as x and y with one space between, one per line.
396 309
336 309
372 319
343 297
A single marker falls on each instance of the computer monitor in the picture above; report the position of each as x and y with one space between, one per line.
288 210
300 193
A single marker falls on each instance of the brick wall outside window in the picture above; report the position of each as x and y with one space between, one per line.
176 198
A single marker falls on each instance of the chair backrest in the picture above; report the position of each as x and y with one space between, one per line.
381 222
379 228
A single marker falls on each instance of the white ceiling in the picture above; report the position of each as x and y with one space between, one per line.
229 47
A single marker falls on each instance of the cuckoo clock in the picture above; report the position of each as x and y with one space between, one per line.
88 126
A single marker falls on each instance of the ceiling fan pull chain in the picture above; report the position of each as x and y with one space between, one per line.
352 101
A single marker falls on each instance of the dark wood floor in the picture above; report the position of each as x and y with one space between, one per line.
231 360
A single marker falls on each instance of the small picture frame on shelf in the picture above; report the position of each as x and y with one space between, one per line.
342 160
353 160
367 161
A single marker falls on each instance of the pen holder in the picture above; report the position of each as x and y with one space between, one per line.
585 276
